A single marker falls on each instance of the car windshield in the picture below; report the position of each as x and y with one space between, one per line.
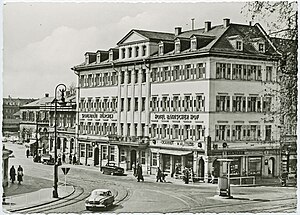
98 193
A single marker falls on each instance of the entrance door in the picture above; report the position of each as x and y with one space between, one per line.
132 158
216 165
201 168
271 167
96 156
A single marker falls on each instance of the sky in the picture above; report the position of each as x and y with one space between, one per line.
43 41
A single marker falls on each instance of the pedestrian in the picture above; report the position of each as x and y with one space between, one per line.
139 173
134 169
12 173
27 153
63 158
158 175
186 174
74 159
20 174
70 158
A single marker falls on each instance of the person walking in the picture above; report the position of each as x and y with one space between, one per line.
74 160
139 172
20 174
27 153
158 175
186 174
12 173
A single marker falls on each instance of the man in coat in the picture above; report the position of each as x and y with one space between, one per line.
139 173
12 173
158 175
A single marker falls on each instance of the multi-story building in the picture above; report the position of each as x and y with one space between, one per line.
11 106
65 128
34 125
182 99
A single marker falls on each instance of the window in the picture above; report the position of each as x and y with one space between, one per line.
136 76
177 47
128 104
123 53
154 74
143 103
82 150
136 104
122 104
220 132
261 47
200 71
129 77
143 76
267 104
112 153
161 50
90 150
239 45
129 52
104 152
251 104
194 45
123 155
144 51
222 103
122 77
154 159
223 71
268 73
136 51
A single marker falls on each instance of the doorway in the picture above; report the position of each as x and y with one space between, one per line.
216 168
201 168
96 156
132 158
271 167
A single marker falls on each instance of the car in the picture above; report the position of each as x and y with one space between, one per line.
112 169
48 159
99 198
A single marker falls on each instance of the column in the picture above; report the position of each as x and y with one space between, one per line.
132 105
119 105
139 126
206 169
147 102
125 103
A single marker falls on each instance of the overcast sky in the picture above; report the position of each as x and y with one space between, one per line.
42 41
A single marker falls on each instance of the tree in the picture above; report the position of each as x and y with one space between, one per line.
72 89
281 18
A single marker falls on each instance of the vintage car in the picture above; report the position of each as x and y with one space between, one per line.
47 159
112 169
99 198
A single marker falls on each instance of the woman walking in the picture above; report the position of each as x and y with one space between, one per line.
20 174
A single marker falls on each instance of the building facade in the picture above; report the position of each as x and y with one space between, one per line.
182 99
11 106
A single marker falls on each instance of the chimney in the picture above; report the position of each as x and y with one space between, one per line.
207 26
47 95
226 22
250 23
178 31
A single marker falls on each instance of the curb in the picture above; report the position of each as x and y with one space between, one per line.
42 204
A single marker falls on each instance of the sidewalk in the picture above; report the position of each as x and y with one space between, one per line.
36 198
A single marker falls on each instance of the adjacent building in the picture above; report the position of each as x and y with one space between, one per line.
182 99
11 106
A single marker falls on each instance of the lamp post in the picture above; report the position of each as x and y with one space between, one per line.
62 91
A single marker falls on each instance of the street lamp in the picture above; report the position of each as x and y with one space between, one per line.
62 91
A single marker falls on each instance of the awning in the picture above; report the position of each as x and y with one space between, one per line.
174 152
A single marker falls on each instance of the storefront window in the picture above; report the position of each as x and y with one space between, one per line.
112 153
254 166
166 163
90 150
82 150
189 161
235 167
104 152
123 155
154 159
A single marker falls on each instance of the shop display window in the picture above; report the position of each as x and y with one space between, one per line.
254 164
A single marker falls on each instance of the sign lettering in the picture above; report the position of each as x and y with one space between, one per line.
176 116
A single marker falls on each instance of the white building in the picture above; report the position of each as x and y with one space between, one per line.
182 99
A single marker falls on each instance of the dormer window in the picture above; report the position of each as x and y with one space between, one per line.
161 49
177 47
194 45
111 56
261 47
86 59
239 45
98 58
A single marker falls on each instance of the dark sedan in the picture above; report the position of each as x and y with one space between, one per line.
112 169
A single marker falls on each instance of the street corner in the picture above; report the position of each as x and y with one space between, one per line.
65 191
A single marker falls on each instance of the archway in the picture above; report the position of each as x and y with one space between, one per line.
271 166
132 158
201 168
96 156
216 168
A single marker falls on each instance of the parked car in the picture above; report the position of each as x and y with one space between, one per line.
48 159
112 169
99 198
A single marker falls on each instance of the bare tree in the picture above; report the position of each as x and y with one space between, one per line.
72 89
